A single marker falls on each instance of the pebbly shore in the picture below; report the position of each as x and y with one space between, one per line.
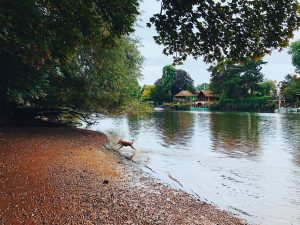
68 176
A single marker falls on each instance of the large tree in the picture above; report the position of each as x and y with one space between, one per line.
101 79
287 79
290 89
226 29
292 92
168 76
231 80
147 91
267 88
172 81
61 54
182 81
50 51
294 51
159 94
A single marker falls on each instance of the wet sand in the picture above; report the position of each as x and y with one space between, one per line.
67 176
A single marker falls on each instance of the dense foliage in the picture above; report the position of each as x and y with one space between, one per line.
168 77
229 80
294 50
203 86
250 104
171 82
227 29
267 88
159 94
107 77
290 89
146 92
241 87
58 55
182 81
76 57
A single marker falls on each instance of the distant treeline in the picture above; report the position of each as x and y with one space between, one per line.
251 104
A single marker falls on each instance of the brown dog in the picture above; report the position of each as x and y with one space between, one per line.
126 143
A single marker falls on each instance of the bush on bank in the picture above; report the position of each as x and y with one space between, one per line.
251 104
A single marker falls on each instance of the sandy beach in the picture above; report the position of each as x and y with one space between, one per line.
67 176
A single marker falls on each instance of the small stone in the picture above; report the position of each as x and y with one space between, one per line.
105 182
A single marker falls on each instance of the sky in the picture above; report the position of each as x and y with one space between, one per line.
278 64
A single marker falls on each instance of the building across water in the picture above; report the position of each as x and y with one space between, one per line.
205 98
186 99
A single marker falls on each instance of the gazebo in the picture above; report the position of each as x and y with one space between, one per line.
184 97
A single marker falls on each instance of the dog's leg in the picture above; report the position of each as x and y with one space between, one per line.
132 147
120 147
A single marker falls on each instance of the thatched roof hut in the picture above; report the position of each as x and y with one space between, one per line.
184 97
184 94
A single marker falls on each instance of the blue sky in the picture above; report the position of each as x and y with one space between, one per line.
279 63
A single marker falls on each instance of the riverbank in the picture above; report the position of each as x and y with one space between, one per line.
67 176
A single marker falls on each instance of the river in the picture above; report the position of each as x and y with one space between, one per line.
247 163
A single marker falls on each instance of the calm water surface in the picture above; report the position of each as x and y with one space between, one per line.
246 163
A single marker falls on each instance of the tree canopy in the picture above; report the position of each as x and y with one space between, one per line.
159 94
67 54
231 80
294 51
290 86
146 92
168 76
203 86
77 56
172 81
290 89
227 29
182 81
267 88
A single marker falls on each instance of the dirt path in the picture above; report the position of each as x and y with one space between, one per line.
66 176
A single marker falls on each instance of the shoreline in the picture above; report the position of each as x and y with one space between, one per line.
68 176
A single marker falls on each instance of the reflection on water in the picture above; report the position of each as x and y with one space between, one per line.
243 162
235 133
175 128
291 127
134 126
